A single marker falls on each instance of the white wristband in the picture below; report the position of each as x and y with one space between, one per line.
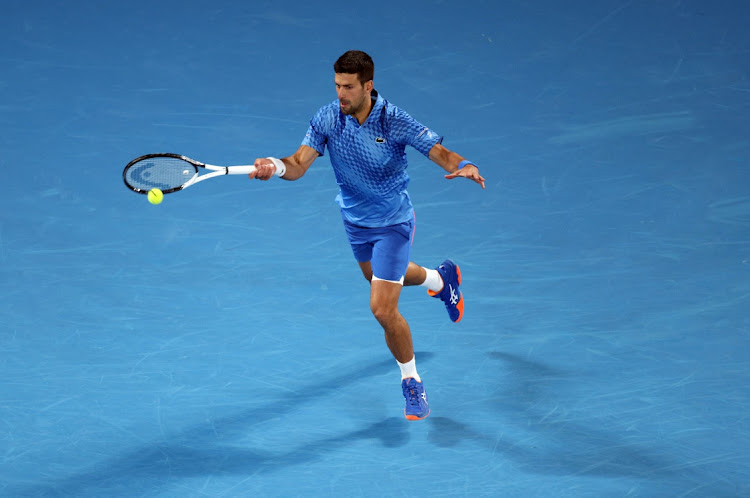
280 166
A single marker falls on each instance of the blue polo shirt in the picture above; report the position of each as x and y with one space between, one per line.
369 161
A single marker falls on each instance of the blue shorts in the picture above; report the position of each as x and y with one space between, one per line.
388 249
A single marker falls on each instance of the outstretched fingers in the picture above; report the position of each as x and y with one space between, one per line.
471 172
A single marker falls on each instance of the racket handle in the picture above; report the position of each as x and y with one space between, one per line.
240 170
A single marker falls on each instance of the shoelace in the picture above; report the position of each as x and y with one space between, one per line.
412 397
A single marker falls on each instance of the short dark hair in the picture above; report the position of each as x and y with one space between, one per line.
356 62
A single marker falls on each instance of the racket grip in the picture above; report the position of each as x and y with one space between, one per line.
240 170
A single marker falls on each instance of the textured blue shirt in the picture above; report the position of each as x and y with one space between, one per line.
369 161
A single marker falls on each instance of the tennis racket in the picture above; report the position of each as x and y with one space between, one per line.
172 172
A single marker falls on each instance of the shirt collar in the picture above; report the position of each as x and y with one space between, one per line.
377 101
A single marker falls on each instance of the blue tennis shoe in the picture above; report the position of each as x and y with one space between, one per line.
451 291
417 407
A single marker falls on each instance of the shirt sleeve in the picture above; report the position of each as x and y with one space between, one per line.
408 131
318 131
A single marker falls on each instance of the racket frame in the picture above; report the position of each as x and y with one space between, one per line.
215 171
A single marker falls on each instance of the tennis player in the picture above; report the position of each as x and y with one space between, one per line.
366 137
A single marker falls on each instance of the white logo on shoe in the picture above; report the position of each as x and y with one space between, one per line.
424 397
454 295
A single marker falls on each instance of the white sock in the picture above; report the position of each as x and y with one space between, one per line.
409 369
433 281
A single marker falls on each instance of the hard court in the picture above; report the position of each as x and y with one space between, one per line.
221 343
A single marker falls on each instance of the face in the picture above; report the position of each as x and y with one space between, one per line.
352 94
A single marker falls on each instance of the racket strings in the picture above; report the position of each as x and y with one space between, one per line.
164 173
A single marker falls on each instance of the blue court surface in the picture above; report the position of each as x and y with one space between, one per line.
221 344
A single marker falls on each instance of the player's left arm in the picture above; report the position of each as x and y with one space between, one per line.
455 164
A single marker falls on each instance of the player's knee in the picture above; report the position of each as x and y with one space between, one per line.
383 312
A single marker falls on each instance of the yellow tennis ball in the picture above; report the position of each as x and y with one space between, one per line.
155 196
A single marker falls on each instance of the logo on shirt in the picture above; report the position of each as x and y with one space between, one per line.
380 140
430 134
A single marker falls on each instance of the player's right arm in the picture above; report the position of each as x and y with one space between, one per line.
296 165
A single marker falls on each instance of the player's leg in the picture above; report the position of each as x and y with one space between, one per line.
442 282
417 275
384 296
383 257
385 270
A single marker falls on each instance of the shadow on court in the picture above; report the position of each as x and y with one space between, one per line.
539 441
196 452
543 436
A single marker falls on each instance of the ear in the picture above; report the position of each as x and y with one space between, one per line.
369 86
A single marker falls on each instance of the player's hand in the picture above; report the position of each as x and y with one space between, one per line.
469 171
264 169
